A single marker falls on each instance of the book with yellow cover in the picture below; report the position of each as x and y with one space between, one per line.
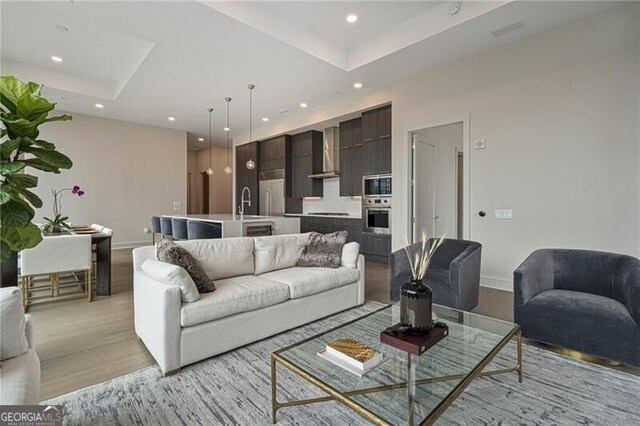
355 353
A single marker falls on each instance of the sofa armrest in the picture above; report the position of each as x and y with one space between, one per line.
157 319
533 276
627 285
28 331
361 272
464 278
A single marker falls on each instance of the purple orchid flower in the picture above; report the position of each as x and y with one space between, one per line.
75 189
80 193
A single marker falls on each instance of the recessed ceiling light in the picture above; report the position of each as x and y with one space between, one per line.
265 119
303 105
171 118
357 85
99 106
226 129
56 59
62 28
200 139
352 18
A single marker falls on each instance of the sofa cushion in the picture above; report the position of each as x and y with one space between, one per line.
585 322
307 281
13 340
350 253
174 275
323 250
224 257
233 296
278 252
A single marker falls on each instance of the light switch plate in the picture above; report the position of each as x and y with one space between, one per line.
480 144
503 214
177 206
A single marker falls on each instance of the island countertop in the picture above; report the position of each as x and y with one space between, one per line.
233 225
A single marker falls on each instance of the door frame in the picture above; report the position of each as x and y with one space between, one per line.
412 203
465 119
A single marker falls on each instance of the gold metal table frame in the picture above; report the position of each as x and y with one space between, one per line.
343 397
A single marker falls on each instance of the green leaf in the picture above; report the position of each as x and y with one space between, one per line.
5 250
15 213
31 198
39 164
22 237
19 127
8 168
54 158
4 196
9 146
58 118
45 145
11 89
23 180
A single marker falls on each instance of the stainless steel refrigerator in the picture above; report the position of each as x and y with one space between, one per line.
272 193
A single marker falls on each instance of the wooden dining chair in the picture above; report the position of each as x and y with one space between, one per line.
94 267
56 255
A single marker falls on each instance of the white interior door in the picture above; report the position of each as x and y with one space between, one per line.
423 188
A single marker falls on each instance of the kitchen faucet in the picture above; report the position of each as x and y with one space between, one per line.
243 201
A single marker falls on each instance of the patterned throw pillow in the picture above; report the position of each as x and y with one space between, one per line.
170 252
324 250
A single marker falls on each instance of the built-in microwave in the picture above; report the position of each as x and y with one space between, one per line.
376 215
375 186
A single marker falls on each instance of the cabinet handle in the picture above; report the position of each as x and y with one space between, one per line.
367 140
384 136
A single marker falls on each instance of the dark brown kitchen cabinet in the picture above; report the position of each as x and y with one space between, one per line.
376 247
272 153
245 177
376 137
351 157
306 153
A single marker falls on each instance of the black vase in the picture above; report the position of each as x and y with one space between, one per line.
415 305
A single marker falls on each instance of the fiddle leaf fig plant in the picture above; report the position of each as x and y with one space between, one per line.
22 111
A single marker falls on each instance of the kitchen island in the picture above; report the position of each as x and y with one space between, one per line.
234 225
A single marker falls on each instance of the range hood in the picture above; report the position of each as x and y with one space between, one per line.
330 154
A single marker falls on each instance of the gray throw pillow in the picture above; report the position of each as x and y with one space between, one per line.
324 250
170 252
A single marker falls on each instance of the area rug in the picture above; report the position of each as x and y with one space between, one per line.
234 389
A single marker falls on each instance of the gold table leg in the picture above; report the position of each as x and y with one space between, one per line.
274 402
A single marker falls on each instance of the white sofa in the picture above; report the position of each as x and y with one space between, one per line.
20 365
259 292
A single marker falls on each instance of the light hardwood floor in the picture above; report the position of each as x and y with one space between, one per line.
81 343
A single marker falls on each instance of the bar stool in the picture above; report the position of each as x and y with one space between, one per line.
155 228
165 227
179 228
198 230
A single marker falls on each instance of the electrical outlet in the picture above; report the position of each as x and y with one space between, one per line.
177 206
503 214
480 144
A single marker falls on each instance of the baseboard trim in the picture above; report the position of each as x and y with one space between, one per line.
496 283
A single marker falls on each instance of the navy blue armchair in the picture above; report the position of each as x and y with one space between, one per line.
584 300
454 273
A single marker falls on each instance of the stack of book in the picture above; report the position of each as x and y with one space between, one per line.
352 355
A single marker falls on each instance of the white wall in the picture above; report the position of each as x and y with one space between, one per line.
220 189
559 112
129 172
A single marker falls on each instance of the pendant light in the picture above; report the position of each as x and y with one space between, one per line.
227 169
210 170
250 164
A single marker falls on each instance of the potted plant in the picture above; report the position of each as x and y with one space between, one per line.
22 111
58 222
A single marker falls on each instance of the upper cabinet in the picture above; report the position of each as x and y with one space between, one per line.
376 138
306 159
351 157
246 177
273 152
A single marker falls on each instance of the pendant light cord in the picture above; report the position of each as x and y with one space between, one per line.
210 111
228 131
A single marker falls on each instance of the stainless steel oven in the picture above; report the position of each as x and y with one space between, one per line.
376 186
376 215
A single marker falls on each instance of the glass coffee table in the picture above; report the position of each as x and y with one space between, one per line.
405 389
